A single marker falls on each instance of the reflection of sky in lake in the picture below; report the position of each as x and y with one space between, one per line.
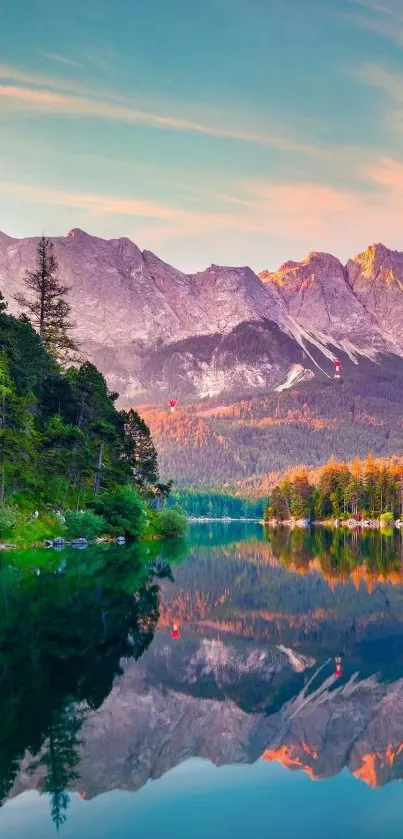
200 801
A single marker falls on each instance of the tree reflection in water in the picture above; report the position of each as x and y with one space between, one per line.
62 637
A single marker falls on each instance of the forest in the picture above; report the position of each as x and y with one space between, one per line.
64 445
364 489
216 505
221 441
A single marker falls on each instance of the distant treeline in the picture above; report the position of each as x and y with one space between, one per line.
364 489
217 505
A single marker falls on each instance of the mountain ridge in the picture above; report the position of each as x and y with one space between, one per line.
231 335
138 302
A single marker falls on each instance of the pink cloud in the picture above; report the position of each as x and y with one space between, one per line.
70 99
311 216
95 204
388 173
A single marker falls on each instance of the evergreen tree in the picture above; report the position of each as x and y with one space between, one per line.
16 434
60 759
61 436
47 305
140 453
301 496
97 454
373 488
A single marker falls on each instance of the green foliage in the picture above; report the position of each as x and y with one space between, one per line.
171 524
124 511
62 638
27 532
8 518
366 490
215 505
17 436
139 454
86 524
62 440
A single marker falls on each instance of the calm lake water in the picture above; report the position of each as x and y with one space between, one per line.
241 682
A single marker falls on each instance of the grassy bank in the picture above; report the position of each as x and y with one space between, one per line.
121 513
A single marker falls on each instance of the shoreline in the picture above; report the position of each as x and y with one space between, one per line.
77 544
225 519
337 524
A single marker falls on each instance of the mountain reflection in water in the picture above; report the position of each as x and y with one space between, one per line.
97 693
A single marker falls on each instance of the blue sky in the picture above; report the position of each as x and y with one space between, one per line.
226 131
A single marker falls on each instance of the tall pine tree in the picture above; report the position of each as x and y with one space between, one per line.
46 304
140 453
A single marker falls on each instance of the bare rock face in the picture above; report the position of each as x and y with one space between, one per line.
154 330
376 278
318 296
120 295
127 304
236 295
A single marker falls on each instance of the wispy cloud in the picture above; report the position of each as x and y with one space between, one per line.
317 216
49 95
388 174
390 7
101 60
389 82
263 209
305 216
59 59
385 19
93 203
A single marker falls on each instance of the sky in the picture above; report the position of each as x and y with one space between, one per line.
222 131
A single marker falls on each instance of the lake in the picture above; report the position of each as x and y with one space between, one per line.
244 681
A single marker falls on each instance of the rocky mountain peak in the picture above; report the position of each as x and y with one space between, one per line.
76 232
4 237
318 297
315 267
373 259
376 278
321 259
128 303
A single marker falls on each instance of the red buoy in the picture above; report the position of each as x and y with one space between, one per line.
338 671
172 404
175 634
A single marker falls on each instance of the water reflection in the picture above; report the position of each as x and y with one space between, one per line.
63 635
289 648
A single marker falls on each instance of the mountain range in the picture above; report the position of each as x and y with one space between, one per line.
227 337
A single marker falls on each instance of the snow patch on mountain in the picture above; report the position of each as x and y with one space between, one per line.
297 373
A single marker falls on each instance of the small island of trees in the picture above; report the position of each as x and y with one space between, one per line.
370 489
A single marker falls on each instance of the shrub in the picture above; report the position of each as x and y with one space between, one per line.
8 517
171 524
386 518
87 525
123 510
